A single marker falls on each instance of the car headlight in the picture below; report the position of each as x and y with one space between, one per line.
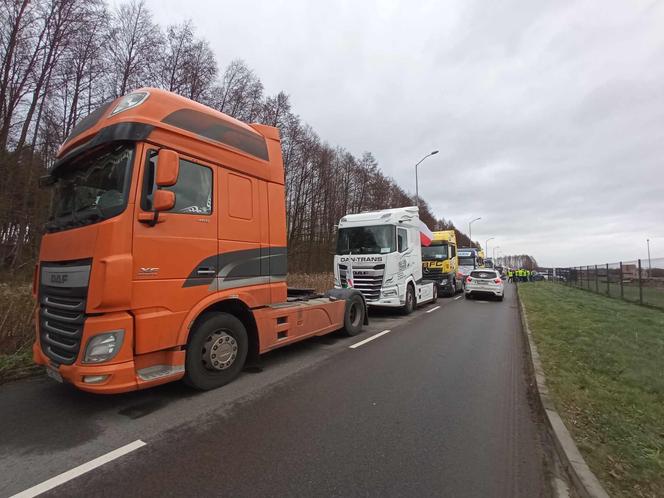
103 347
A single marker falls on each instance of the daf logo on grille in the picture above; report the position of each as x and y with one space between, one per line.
59 278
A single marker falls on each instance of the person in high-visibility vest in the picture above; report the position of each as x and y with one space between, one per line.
510 275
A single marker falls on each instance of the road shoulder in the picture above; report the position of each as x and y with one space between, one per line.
583 480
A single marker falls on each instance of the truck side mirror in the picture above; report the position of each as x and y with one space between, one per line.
163 200
168 168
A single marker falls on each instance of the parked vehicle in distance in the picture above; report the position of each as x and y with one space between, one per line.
484 283
379 253
440 262
165 255
469 259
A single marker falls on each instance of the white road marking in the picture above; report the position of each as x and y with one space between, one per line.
358 344
78 471
433 309
458 297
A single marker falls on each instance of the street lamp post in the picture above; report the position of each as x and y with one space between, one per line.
417 186
470 229
486 245
494 255
649 267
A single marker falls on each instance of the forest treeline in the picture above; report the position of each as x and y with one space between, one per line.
61 59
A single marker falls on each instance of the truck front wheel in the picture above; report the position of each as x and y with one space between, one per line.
409 305
216 352
453 289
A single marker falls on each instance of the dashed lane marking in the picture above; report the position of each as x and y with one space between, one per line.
369 339
433 309
78 471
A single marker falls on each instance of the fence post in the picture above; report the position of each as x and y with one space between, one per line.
588 277
596 281
622 291
640 286
608 281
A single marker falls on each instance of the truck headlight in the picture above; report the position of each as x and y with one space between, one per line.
388 280
103 347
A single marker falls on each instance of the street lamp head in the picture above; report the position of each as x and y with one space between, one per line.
434 152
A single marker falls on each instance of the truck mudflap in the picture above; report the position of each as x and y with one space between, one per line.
346 294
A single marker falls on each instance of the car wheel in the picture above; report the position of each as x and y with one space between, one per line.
467 295
216 351
409 306
500 298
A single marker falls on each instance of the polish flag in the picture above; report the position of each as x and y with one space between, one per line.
426 236
349 273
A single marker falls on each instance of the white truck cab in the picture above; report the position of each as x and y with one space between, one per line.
379 253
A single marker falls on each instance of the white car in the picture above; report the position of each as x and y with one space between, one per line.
484 282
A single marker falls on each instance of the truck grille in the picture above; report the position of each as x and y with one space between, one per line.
432 271
435 274
61 316
368 281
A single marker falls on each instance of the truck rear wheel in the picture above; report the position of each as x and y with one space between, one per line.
216 352
354 315
409 306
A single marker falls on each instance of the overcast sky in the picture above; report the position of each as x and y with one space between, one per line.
549 116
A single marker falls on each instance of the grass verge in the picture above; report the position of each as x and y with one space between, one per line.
317 281
604 365
16 330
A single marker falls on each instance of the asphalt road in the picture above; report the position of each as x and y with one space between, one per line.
436 407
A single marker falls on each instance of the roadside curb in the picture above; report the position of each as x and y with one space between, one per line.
583 480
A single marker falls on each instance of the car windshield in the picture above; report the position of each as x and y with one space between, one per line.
378 239
91 188
435 252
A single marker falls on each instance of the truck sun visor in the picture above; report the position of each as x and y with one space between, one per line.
219 130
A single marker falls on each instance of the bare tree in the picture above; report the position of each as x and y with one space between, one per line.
134 43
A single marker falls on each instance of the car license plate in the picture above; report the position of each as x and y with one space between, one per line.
54 374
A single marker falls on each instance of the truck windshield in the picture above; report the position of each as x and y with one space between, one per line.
435 252
467 261
91 188
378 239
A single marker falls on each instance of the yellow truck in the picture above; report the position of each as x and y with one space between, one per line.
440 262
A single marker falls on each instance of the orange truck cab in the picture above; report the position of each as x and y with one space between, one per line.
165 254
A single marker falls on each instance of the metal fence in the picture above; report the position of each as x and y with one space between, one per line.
640 281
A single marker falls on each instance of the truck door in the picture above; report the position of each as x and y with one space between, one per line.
403 249
180 250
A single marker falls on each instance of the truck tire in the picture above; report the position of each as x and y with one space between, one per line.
409 306
216 351
453 288
354 316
